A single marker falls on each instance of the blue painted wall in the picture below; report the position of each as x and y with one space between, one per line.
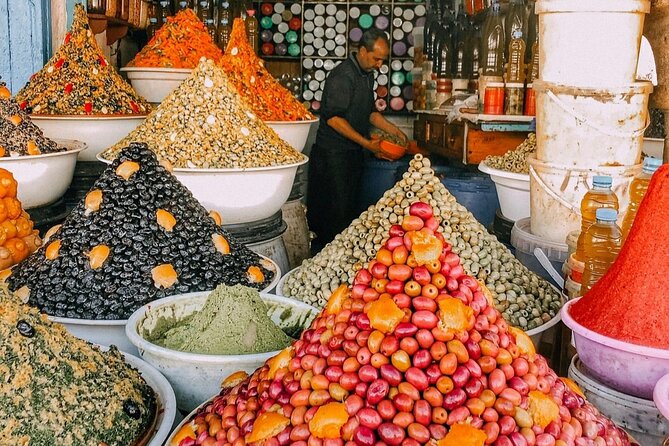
24 39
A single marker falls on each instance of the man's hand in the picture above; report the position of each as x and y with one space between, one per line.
395 131
374 146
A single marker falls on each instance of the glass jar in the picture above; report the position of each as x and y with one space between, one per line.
124 10
96 6
514 99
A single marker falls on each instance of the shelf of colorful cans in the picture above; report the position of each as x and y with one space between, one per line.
324 30
280 26
404 19
313 80
362 17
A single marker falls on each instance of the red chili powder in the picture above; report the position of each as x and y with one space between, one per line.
631 303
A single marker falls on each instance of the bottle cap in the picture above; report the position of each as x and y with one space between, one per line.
651 164
606 214
602 181
517 34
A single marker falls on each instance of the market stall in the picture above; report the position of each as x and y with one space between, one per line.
500 282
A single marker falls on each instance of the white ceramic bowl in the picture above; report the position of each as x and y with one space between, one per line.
112 332
196 377
294 133
167 403
98 132
239 195
154 84
43 179
513 191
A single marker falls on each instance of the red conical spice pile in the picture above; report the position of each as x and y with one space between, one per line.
415 353
629 303
266 96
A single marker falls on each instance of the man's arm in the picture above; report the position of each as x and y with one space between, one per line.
344 128
378 121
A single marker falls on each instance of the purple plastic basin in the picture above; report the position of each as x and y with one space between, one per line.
661 396
629 368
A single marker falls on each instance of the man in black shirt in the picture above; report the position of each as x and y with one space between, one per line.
347 112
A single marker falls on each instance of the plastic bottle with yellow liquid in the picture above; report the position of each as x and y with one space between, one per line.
603 241
638 189
600 196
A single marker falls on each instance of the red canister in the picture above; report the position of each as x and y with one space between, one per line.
493 100
530 101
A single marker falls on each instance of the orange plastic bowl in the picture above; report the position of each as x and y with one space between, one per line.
392 150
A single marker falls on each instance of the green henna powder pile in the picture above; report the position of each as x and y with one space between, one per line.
233 321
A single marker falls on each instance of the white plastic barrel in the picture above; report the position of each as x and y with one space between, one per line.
591 127
556 192
590 42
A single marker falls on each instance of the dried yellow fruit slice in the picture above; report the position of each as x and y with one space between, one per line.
126 169
217 217
98 256
454 315
164 276
52 250
463 435
93 201
328 421
337 299
280 361
32 148
266 426
234 379
542 408
255 274
221 244
52 230
166 220
384 315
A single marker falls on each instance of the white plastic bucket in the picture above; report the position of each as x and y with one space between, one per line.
556 192
590 42
513 191
591 127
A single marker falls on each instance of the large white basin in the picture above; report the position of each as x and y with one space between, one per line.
43 179
98 132
294 133
154 84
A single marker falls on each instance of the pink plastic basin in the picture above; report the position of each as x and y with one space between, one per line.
661 396
629 368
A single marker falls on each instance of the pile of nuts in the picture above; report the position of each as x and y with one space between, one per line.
19 136
515 160
524 299
205 124
413 354
78 80
139 235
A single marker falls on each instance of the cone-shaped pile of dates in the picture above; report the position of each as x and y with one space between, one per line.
414 353
139 235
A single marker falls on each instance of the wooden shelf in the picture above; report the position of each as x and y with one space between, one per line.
116 28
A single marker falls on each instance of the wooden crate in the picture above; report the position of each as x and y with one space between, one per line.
462 140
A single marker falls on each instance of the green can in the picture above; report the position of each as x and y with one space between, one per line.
291 37
294 49
266 22
366 21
